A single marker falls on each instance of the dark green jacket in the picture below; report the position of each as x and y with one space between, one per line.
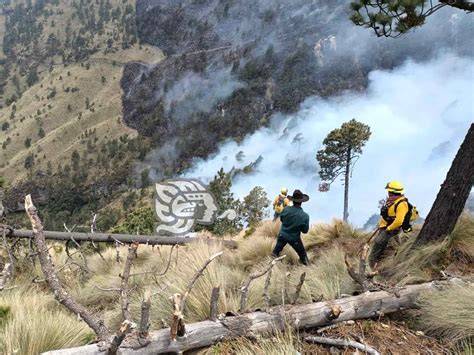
293 221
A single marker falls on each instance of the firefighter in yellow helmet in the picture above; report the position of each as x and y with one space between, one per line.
395 215
280 202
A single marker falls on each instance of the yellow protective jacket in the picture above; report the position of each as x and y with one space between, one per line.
279 209
402 210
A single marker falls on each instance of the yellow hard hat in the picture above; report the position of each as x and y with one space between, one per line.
284 191
394 186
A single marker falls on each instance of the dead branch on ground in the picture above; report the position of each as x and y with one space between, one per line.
343 343
124 287
60 293
124 329
11 269
266 293
302 316
179 302
196 276
363 278
299 286
145 315
214 303
244 288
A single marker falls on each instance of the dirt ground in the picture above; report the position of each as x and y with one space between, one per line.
386 336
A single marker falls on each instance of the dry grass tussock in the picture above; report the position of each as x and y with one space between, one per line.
32 322
419 264
448 314
461 241
282 342
268 228
327 276
322 235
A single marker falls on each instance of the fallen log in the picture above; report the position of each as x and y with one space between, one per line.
123 238
206 333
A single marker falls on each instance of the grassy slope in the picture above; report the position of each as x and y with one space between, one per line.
62 127
326 278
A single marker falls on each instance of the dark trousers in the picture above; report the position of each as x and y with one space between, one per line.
297 245
379 246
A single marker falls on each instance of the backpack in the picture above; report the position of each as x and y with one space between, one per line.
411 215
280 205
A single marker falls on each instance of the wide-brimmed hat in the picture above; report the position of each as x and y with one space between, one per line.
298 196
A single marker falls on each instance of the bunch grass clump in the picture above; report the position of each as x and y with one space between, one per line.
414 264
448 314
34 322
268 228
322 234
281 342
461 240
327 276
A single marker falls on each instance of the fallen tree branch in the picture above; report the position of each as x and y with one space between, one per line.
177 325
214 303
299 286
179 302
284 290
123 238
60 293
145 315
266 293
360 276
124 329
9 250
196 276
124 289
244 288
342 342
206 333
332 326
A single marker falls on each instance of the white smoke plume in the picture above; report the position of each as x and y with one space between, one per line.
200 92
419 114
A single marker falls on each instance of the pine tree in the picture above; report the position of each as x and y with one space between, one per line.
342 148
220 187
253 206
396 17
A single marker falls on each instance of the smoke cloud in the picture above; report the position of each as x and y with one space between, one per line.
200 92
419 114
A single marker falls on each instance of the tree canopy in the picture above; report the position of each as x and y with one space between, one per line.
392 18
340 144
342 148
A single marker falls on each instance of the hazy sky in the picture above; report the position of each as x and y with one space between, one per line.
419 114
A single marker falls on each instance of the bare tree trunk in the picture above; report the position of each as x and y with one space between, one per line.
452 196
60 293
346 186
206 333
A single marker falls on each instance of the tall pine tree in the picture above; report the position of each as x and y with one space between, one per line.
342 147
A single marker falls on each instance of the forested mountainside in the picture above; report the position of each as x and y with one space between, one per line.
62 137
231 64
